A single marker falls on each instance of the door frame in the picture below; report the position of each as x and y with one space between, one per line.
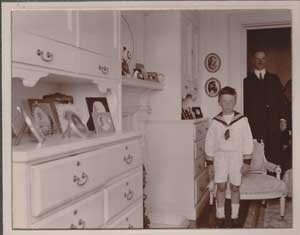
239 24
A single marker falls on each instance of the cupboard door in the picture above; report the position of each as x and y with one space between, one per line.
52 24
98 31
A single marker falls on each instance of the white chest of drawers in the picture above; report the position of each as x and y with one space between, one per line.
175 165
84 184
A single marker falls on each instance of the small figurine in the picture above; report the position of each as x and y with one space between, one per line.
126 56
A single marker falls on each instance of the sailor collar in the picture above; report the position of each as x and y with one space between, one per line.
237 116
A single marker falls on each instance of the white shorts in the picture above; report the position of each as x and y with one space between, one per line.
228 164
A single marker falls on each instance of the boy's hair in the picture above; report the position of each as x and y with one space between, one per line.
188 96
227 90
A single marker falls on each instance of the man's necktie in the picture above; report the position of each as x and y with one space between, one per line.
260 76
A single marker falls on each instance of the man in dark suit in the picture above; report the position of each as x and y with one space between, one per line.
264 106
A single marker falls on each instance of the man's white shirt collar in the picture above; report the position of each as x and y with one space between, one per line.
262 72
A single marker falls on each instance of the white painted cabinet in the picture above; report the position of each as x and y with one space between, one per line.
98 31
87 188
52 24
176 169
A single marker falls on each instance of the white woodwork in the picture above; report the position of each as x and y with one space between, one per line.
174 148
130 219
45 194
89 211
123 193
25 50
52 24
98 31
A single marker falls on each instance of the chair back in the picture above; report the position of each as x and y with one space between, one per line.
257 165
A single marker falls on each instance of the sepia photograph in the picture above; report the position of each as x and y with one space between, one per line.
211 148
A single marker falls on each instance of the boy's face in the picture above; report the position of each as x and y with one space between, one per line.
227 103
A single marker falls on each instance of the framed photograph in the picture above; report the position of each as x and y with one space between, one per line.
75 125
197 111
103 123
152 76
31 124
61 110
95 104
42 113
212 62
212 87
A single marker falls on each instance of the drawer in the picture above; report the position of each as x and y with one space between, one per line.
56 182
133 218
35 50
200 130
199 149
88 213
200 185
97 65
199 165
122 194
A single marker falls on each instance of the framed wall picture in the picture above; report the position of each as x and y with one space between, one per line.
212 87
212 62
43 115
103 123
197 112
95 104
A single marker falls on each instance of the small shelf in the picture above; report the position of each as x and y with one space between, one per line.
132 82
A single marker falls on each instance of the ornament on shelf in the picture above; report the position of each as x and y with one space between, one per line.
126 57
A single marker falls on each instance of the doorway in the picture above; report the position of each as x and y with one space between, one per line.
277 44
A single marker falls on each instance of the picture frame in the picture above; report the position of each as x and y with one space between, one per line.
103 123
75 125
95 104
197 111
141 74
31 124
212 62
153 76
42 113
212 87
61 110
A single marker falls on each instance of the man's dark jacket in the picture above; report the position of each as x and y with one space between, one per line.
264 106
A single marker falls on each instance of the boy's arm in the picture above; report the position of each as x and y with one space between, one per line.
247 143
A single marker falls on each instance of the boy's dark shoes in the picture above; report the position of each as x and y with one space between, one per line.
220 223
235 223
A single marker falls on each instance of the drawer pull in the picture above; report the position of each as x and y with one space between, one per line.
129 195
47 58
130 226
81 180
104 69
128 159
81 223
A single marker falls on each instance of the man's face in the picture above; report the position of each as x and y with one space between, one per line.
260 60
227 103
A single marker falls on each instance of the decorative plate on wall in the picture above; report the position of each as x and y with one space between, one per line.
212 62
212 87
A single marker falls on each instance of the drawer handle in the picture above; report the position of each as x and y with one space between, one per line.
104 69
129 195
47 58
81 180
130 226
81 224
128 159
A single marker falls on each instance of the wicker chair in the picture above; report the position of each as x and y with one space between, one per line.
257 185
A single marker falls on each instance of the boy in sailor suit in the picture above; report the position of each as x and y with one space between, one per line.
228 148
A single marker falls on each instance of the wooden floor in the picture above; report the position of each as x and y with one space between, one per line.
207 217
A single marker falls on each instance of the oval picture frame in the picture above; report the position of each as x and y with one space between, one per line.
212 87
212 62
76 124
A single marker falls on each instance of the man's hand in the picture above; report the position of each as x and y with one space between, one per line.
211 172
283 124
245 169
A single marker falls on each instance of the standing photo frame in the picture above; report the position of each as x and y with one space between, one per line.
103 123
95 105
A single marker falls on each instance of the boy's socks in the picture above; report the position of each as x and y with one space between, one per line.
220 212
235 210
